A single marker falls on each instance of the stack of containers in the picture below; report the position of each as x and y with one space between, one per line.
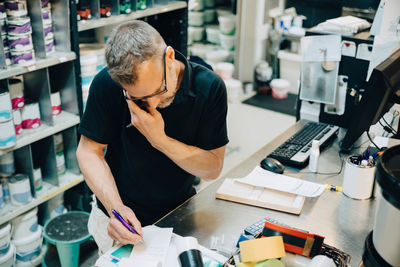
7 169
3 26
92 61
7 249
196 21
17 102
47 27
27 237
19 33
7 132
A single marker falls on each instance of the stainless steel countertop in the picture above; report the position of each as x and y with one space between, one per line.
343 221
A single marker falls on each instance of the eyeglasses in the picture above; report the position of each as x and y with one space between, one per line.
162 91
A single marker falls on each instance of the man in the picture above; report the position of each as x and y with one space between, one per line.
161 120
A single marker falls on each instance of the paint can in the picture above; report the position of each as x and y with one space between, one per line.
46 15
7 55
23 58
5 106
3 14
49 43
20 42
37 179
6 190
55 103
25 224
7 166
17 26
17 121
48 31
31 116
17 93
5 239
20 189
16 8
7 134
59 147
2 202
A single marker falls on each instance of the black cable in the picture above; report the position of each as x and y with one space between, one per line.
393 130
370 139
387 129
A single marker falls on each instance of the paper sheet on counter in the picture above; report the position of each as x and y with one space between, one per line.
263 178
155 246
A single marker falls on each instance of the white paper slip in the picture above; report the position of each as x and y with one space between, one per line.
263 178
313 48
155 246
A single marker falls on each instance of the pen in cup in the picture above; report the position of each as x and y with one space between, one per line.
127 225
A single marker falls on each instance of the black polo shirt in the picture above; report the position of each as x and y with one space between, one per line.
147 180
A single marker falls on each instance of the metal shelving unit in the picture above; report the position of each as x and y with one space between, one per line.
155 10
64 121
50 73
41 63
68 180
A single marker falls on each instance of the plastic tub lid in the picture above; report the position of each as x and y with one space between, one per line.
4 230
388 175
280 83
26 216
28 239
8 255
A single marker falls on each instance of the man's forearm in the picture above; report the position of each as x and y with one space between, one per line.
199 162
100 180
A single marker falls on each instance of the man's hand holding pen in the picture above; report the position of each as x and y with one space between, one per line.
120 232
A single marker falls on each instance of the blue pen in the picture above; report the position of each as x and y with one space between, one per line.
127 225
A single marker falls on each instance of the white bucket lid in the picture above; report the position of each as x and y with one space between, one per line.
26 216
8 255
6 230
28 239
280 83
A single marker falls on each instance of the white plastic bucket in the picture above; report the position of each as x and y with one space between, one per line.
8 260
280 88
196 18
225 70
197 33
217 56
201 50
213 34
234 89
20 189
5 237
29 247
209 15
227 41
25 224
227 24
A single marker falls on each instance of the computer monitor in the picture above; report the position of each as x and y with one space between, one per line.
382 91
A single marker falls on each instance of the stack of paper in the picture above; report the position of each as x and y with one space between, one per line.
269 190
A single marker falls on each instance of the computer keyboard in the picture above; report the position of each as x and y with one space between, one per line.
295 151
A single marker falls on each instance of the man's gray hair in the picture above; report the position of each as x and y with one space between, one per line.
128 45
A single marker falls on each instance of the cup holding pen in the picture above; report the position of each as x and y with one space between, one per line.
358 179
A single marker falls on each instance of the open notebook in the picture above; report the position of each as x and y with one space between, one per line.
261 197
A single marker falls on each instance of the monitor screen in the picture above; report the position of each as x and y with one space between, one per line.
382 91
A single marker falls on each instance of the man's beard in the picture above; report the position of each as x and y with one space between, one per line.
167 102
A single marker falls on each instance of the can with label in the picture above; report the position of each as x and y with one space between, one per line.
31 116
37 178
5 106
2 200
59 147
6 190
16 8
7 134
17 121
55 103
20 189
16 93
7 167
262 78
